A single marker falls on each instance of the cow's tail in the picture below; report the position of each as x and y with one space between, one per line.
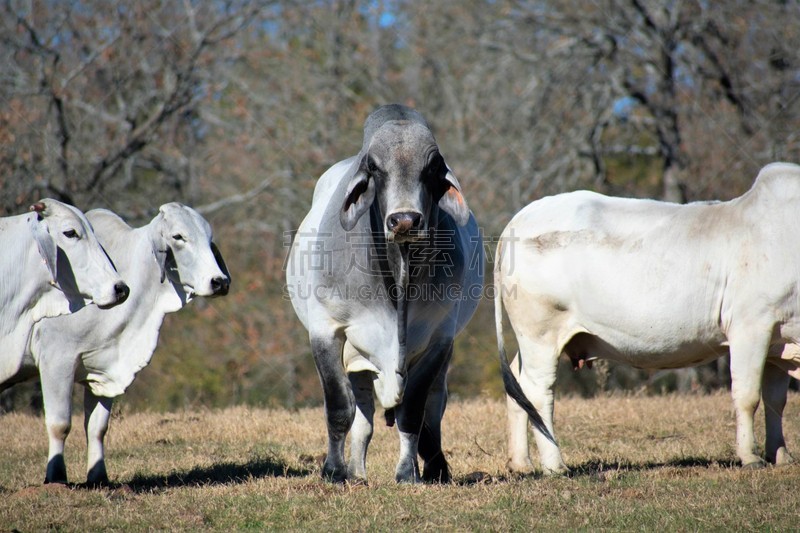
512 386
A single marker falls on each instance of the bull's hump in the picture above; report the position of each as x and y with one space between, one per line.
107 219
782 180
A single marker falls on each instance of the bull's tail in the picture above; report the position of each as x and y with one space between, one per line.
512 386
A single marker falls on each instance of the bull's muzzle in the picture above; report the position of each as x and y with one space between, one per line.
404 225
220 286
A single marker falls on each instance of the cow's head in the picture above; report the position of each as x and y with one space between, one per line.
186 254
76 262
401 168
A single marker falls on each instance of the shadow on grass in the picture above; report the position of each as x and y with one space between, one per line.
218 474
598 469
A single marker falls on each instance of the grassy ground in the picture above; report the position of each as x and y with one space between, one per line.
639 463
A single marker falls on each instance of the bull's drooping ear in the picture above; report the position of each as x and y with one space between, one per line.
160 256
359 196
159 244
452 201
44 241
220 261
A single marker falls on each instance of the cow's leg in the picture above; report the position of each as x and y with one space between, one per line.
57 382
517 425
775 385
537 378
430 438
411 412
361 432
340 405
96 414
748 354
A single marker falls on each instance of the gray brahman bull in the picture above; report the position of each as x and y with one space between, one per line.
385 270
167 263
654 285
51 265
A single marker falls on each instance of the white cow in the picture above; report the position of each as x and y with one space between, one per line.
51 265
166 263
654 285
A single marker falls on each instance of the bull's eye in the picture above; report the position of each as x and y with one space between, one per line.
71 234
435 166
372 167
178 237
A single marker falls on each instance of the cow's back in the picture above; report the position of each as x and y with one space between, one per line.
647 277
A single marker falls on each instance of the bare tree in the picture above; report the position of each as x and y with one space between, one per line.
103 98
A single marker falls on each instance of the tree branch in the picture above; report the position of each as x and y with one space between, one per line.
234 199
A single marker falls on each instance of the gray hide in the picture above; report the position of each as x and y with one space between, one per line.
386 269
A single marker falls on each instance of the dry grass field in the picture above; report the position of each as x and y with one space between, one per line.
638 463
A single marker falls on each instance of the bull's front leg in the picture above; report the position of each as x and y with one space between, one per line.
775 385
57 382
361 432
339 403
96 415
435 469
411 412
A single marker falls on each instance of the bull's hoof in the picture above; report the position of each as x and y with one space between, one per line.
333 474
407 473
782 458
436 471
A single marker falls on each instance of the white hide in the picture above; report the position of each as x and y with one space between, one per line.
656 285
105 350
36 283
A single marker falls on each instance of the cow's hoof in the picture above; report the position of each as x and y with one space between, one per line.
754 465
98 483
56 471
97 475
519 468
560 471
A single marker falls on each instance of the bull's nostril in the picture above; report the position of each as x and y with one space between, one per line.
403 222
121 291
